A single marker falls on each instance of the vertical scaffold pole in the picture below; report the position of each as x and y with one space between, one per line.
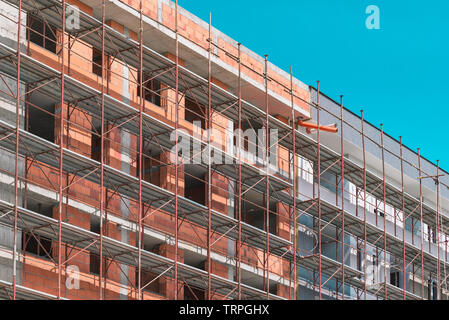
102 193
364 206
141 106
239 150
294 184
342 199
384 182
319 185
404 266
437 182
422 223
176 146
16 173
267 183
209 166
61 151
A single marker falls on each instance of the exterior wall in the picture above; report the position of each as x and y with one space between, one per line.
8 35
195 30
120 152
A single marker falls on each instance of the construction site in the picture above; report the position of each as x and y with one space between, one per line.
100 200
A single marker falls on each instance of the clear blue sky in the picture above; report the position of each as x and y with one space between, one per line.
399 75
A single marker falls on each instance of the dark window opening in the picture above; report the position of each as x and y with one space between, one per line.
94 265
151 89
394 278
195 112
42 34
359 259
255 141
42 123
195 189
191 293
39 246
151 168
97 62
434 291
256 216
149 282
96 144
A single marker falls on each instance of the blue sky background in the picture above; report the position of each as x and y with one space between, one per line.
398 75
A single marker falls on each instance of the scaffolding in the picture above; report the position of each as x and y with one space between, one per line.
315 217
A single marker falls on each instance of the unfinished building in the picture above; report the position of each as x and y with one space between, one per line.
98 202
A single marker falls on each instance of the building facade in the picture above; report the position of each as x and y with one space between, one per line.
146 155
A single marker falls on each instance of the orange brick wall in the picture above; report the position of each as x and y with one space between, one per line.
220 194
199 34
77 130
167 286
77 136
283 221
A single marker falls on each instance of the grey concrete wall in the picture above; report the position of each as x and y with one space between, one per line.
331 108
8 26
124 205
8 36
305 237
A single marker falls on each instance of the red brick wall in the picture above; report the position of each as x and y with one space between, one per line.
220 194
283 221
79 139
166 285
77 130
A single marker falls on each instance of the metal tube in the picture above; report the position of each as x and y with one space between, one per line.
267 181
239 150
16 175
176 145
294 185
319 187
61 151
364 205
342 198
385 209
209 166
437 181
141 164
422 223
403 222
102 194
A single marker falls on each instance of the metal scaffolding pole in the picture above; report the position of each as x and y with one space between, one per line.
319 187
422 223
384 191
16 172
61 150
267 182
342 198
437 182
295 193
209 163
102 191
364 207
404 218
239 150
176 147
141 163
